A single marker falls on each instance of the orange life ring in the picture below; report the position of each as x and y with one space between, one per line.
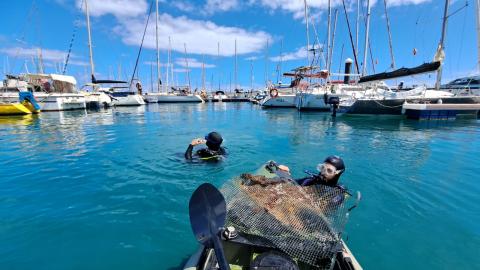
274 93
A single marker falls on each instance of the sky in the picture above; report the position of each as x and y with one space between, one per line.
270 38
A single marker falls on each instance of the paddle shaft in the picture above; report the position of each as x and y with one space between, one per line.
222 262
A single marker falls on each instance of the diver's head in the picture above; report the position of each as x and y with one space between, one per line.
331 169
214 140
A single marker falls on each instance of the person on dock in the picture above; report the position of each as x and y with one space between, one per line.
213 152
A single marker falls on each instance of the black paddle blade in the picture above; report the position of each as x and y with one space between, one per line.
208 212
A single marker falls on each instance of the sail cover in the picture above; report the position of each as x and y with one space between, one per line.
402 72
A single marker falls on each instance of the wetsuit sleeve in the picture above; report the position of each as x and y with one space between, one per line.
302 181
188 153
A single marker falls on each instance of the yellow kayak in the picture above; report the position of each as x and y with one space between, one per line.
14 109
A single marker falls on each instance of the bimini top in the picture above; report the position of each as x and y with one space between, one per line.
401 72
54 77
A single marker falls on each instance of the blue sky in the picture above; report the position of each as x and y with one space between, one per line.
117 28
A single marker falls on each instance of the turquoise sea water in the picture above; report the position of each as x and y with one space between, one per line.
110 189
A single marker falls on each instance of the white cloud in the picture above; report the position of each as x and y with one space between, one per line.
251 58
180 70
297 8
394 3
183 6
201 37
192 63
47 55
300 53
117 8
213 6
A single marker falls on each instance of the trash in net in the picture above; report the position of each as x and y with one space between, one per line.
304 222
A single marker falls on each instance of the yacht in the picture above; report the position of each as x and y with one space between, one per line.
179 95
463 86
53 92
219 96
377 99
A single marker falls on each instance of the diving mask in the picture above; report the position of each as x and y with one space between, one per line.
327 170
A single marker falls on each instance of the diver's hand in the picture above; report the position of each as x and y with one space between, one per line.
197 141
283 168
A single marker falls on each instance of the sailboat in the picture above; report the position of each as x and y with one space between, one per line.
107 96
170 94
378 98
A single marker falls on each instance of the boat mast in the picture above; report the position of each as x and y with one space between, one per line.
203 72
186 64
218 66
92 67
478 31
329 22
251 74
440 45
158 50
235 68
279 66
170 64
358 26
333 40
389 35
267 79
367 30
308 37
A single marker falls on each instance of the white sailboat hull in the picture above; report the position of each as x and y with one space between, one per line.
283 101
60 101
178 98
128 100
97 100
311 101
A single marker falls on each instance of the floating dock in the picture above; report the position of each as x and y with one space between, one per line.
425 111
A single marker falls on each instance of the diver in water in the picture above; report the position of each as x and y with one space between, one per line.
329 173
213 152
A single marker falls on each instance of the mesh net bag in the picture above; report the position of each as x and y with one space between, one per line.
304 222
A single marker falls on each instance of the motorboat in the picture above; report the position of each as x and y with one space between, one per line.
463 86
53 92
219 96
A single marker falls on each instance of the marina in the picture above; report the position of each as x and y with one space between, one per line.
226 135
104 180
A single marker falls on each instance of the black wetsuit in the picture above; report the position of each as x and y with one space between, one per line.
205 153
315 180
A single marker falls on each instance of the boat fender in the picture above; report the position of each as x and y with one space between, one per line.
325 98
273 93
